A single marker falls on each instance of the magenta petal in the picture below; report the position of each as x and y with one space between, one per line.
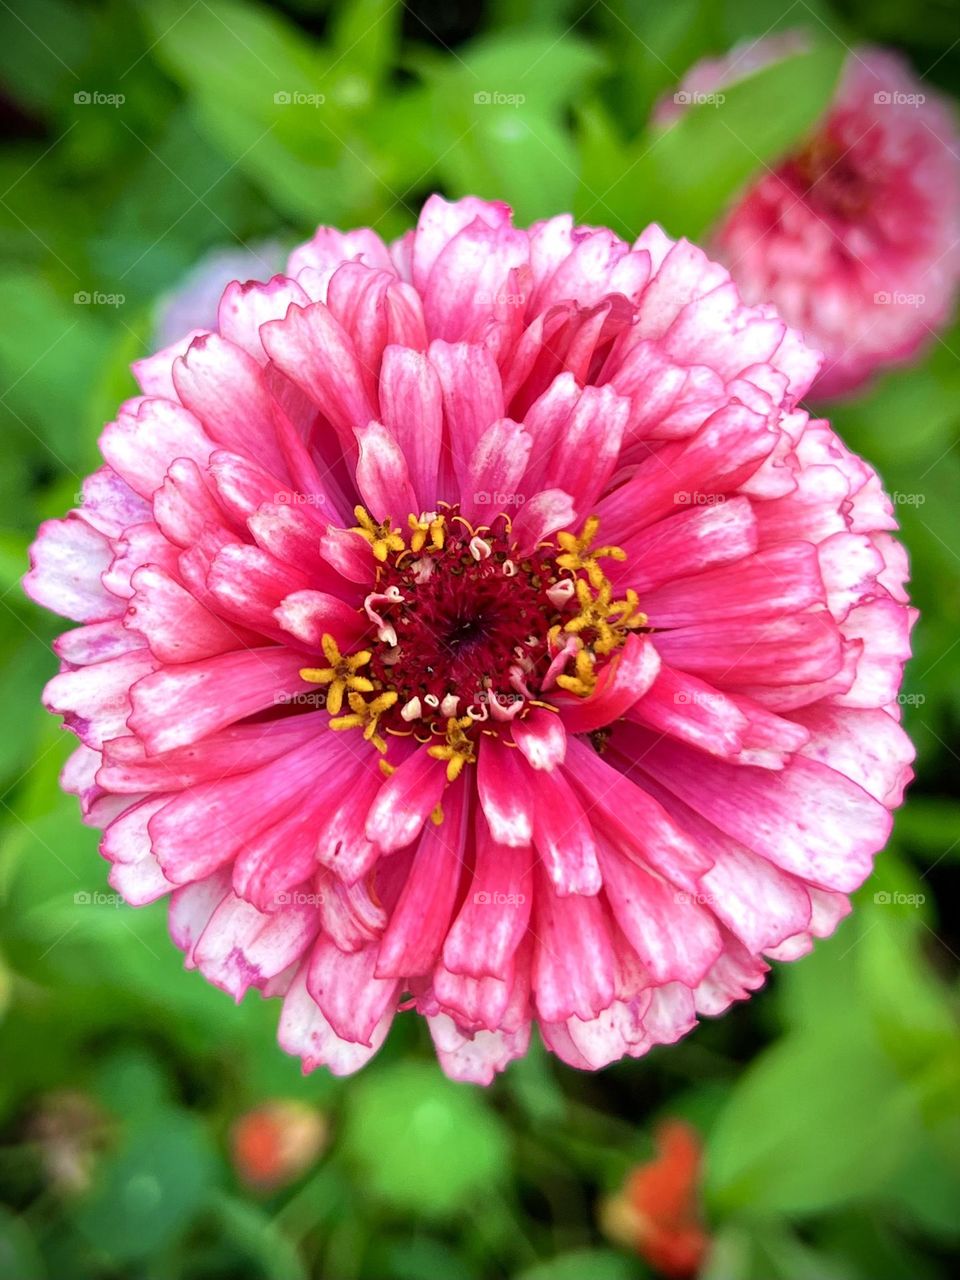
180 705
405 801
493 919
347 991
414 937
623 681
506 794
564 837
542 738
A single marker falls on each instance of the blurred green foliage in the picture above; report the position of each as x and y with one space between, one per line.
831 1104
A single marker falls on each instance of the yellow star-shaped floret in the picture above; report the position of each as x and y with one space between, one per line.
458 750
382 537
584 679
581 556
341 675
429 525
365 715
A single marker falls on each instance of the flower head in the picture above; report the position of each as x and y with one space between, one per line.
853 236
476 626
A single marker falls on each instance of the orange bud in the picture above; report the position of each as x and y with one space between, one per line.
275 1143
656 1212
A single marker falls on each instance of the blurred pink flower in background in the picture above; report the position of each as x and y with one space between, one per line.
476 625
194 303
855 237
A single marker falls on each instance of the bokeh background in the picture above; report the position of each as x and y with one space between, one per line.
148 1126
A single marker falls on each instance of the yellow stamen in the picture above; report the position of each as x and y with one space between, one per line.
341 675
365 715
429 525
581 556
383 538
584 680
458 750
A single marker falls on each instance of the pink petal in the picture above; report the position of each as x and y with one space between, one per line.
542 738
245 307
675 938
574 962
624 680
505 793
382 476
347 991
66 562
179 705
304 1031
222 385
411 406
564 837
493 918
414 937
145 439
405 801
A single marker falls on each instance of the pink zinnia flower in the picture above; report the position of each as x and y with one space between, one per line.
855 237
477 625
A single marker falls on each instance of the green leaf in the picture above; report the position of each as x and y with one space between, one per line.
257 1238
930 827
151 1190
364 40
19 1257
765 1252
598 1264
685 174
816 1120
51 345
422 1143
526 158
496 116
40 57
283 110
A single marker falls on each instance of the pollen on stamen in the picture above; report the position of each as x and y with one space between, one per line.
470 631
